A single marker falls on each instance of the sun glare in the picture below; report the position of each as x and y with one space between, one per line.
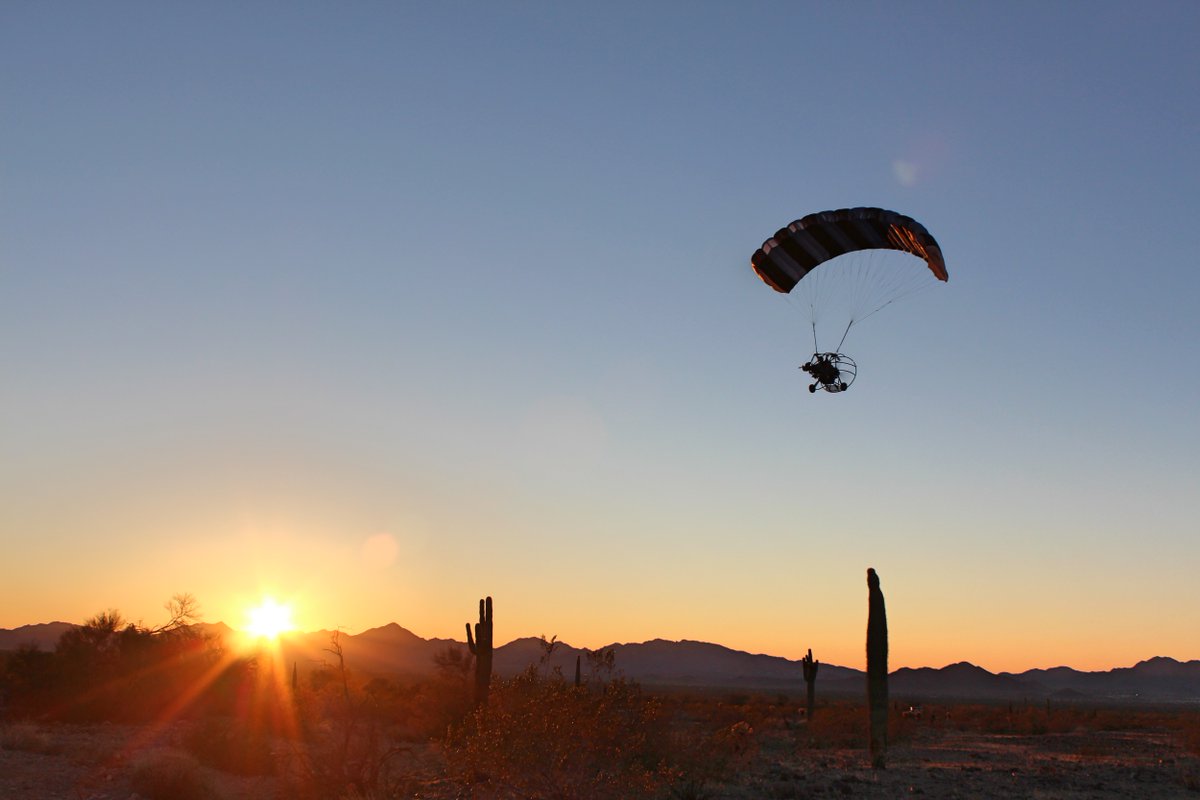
268 619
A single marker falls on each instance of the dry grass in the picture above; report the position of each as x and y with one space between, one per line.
1189 732
29 738
171 775
541 737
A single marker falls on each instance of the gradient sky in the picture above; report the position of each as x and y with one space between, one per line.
381 307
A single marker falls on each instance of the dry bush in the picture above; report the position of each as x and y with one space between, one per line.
109 669
701 759
1186 725
28 738
171 775
417 711
1036 719
436 705
836 726
27 681
1191 734
1023 719
845 725
231 745
1189 778
540 738
347 735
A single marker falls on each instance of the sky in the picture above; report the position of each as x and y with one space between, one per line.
379 308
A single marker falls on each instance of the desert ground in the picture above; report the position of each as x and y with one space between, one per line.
952 752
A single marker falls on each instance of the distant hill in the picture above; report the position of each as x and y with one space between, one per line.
662 662
217 630
396 651
44 635
691 663
1157 679
958 680
390 650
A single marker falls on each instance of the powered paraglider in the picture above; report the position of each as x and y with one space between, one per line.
843 266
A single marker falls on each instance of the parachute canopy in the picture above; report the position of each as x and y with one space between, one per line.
796 250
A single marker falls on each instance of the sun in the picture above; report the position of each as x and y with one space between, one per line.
268 619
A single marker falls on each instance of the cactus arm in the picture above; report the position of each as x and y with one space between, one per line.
810 666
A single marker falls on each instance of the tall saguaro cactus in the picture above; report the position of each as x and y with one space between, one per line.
877 672
810 678
481 648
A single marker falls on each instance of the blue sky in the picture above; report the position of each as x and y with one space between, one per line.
280 281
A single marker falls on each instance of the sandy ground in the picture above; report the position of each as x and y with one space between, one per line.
968 765
97 762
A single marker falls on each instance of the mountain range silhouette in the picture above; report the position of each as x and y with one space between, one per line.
392 650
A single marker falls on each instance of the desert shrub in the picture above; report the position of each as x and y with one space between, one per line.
28 738
541 738
901 729
231 686
230 745
411 710
171 775
1189 777
110 670
836 726
1187 724
1024 719
446 699
993 718
433 707
27 681
700 759
843 725
347 735
1039 718
1191 738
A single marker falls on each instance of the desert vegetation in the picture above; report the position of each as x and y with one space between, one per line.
111 669
167 713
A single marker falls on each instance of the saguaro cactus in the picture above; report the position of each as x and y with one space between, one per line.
810 678
481 648
877 672
578 676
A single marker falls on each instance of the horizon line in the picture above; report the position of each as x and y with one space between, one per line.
563 643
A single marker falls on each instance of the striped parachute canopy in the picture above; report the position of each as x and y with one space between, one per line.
798 249
847 264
